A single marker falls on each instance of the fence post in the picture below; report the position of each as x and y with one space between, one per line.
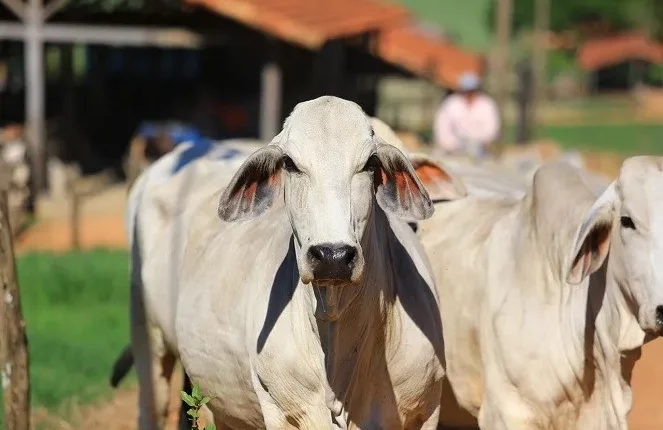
72 176
14 359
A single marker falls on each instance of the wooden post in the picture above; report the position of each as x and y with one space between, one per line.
503 25
74 195
35 102
270 101
540 56
524 101
14 360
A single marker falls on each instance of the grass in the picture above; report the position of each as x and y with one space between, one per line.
76 310
466 19
623 139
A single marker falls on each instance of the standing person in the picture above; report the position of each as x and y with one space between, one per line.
467 121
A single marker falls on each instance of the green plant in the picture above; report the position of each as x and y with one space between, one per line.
196 401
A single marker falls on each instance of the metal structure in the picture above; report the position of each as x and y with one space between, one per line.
35 31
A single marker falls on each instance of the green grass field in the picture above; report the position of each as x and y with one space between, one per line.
467 19
77 315
624 139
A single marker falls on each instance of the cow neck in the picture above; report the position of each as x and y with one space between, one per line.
359 332
613 335
618 309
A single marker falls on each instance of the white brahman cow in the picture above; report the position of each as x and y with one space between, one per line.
163 190
541 331
305 301
174 182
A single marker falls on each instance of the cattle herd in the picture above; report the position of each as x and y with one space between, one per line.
331 280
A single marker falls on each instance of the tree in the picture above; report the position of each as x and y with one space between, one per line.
570 14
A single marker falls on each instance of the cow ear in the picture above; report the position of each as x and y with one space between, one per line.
593 238
255 186
398 189
438 180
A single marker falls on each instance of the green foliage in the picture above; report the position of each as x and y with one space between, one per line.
566 14
560 62
464 20
196 401
76 311
655 74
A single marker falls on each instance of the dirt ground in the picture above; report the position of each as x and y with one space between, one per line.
103 225
119 413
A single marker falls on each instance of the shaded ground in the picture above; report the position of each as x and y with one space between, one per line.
103 225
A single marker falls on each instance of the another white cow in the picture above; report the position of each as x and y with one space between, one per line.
155 200
310 304
542 333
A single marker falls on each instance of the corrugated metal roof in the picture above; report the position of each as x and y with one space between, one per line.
439 60
309 22
598 53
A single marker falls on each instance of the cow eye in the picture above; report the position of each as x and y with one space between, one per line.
372 164
290 165
627 222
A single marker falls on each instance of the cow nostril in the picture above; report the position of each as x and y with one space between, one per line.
659 316
316 253
348 255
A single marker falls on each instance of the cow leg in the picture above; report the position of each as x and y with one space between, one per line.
433 420
163 364
155 372
140 343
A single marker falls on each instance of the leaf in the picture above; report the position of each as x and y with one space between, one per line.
210 427
188 399
194 413
204 401
195 392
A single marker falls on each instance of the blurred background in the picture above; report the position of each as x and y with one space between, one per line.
92 90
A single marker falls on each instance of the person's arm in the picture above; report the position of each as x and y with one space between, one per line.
443 130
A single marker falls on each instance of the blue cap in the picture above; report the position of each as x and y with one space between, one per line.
469 81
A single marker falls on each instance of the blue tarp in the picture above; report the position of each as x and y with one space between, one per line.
179 134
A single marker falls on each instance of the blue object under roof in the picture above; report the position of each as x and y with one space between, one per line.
178 134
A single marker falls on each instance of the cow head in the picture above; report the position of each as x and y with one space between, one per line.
637 237
332 169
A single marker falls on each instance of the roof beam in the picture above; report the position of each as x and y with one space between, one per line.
12 31
16 6
112 35
54 7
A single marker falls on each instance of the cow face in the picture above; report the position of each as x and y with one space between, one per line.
639 193
332 169
637 237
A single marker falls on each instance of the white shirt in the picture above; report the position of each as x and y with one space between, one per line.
460 125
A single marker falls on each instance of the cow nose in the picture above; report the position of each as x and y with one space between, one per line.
659 318
332 262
